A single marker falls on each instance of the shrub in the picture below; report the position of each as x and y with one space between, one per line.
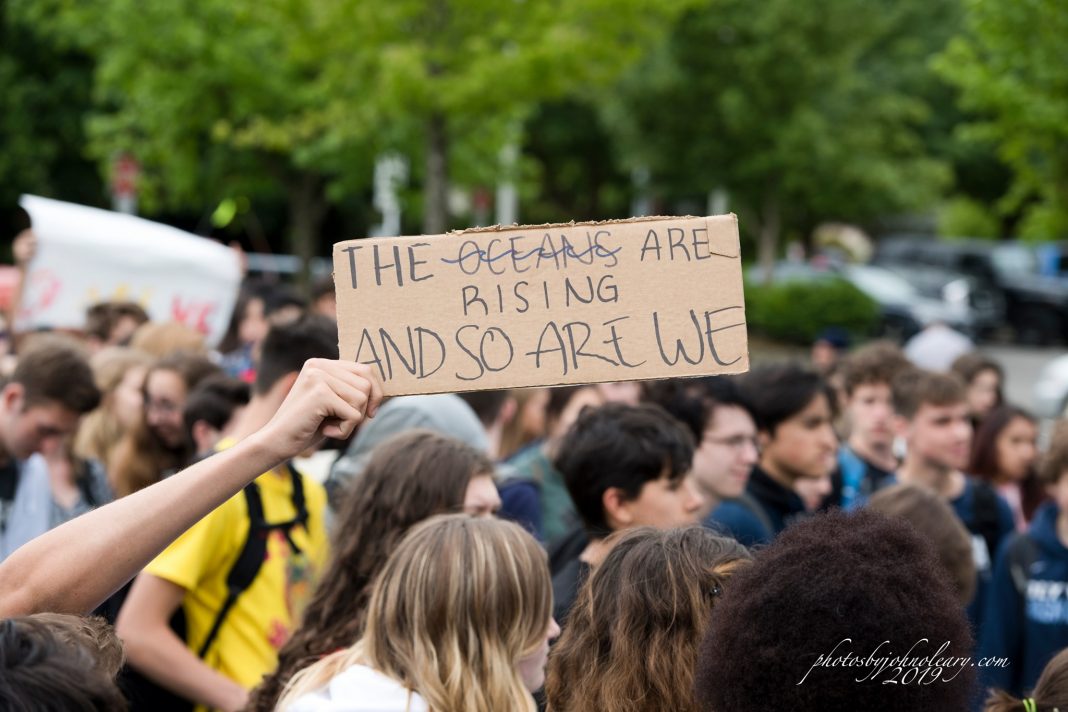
797 311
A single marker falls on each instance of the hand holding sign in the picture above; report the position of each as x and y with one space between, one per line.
546 305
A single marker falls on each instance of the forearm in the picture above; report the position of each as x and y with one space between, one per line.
72 568
161 656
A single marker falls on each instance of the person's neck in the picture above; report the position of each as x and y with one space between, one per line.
595 552
944 481
879 454
711 501
776 473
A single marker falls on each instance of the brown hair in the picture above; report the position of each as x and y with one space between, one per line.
141 458
53 369
632 636
1050 693
51 662
874 363
92 632
915 387
165 338
984 461
101 430
1055 463
409 478
456 606
101 318
971 364
935 521
513 435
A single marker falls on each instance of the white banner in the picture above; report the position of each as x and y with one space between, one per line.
87 255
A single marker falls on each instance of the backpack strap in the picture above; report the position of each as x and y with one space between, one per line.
254 552
987 519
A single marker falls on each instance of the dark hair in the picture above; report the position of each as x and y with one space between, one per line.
101 318
693 402
322 287
1050 693
288 346
915 388
559 397
55 370
631 637
874 363
984 461
971 364
280 297
621 446
486 404
409 478
864 577
779 392
933 518
214 401
48 668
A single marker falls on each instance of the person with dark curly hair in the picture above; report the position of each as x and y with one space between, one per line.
866 459
634 631
815 623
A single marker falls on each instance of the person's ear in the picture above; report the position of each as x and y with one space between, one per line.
617 509
763 440
12 396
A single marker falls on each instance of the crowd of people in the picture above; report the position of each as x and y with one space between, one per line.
710 544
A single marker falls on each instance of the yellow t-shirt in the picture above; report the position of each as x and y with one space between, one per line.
246 647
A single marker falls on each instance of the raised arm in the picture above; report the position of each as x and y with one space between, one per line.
73 568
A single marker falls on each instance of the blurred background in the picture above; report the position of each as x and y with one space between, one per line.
893 163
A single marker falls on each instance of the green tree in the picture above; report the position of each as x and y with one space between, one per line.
44 91
800 116
1011 66
452 78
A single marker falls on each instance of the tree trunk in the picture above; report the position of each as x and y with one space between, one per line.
768 239
307 210
435 216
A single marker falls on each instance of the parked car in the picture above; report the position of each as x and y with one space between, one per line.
904 310
1036 305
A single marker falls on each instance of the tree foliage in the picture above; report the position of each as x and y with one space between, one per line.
1011 66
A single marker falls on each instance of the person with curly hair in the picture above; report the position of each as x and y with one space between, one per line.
409 478
833 588
632 636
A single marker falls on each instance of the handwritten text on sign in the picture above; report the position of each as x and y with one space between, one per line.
547 305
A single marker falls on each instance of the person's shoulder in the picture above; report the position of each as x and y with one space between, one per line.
360 688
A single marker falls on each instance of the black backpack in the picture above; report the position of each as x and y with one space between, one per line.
145 694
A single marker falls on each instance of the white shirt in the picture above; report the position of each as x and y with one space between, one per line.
360 689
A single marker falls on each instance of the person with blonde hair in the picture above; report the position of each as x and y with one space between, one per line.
632 637
460 618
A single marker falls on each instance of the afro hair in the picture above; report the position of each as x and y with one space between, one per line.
861 584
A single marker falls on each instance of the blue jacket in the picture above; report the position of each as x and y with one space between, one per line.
1028 629
735 519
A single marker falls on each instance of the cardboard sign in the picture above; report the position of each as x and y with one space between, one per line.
545 305
87 255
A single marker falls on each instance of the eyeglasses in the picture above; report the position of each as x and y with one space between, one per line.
736 442
162 407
